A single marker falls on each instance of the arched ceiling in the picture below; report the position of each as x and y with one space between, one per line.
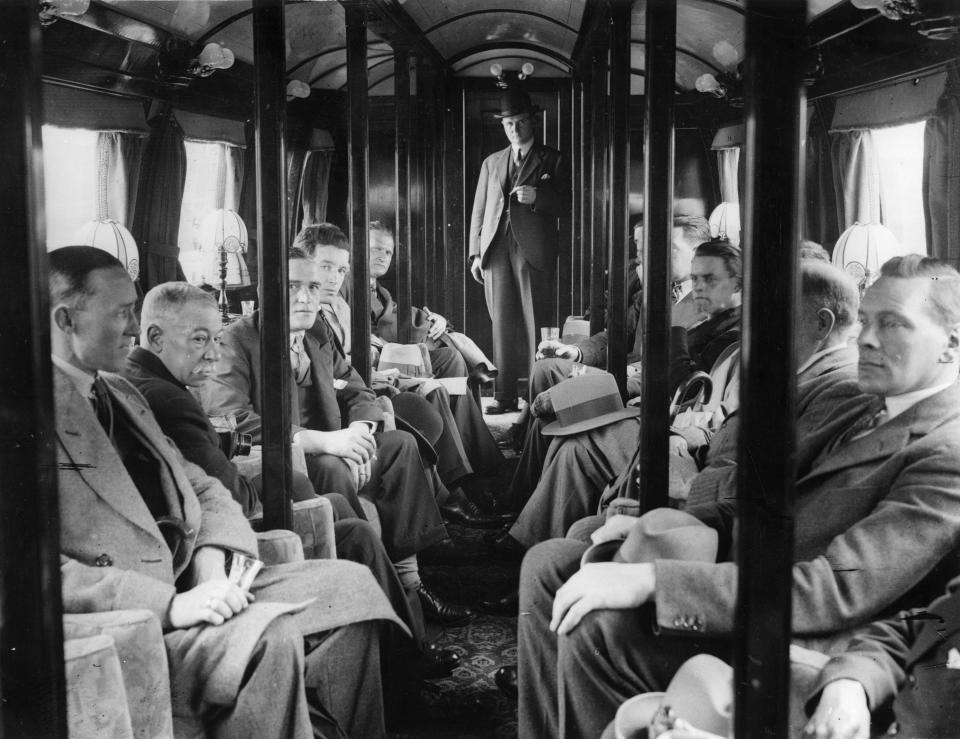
469 35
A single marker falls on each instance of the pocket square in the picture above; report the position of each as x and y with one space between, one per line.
953 659
339 384
545 176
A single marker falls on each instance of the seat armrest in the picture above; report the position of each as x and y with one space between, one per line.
312 524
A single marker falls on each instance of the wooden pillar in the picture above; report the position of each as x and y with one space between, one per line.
567 240
31 637
661 63
358 155
619 236
599 184
402 167
584 191
454 247
774 129
269 47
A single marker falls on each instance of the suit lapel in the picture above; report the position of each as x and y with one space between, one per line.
93 457
530 164
502 162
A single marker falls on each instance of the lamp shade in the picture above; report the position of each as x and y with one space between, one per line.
113 237
725 222
223 232
863 248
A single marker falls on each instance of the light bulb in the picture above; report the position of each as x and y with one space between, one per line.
496 69
527 69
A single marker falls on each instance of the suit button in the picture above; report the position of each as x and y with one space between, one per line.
103 560
912 680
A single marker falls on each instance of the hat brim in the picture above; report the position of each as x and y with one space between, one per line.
427 451
532 110
639 711
602 552
555 428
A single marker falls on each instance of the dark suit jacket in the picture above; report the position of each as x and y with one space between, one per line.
182 418
876 523
593 350
534 226
235 388
904 660
698 348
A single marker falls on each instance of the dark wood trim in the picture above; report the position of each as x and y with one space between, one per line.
619 236
565 267
358 153
599 168
403 126
658 144
393 13
31 640
774 114
453 255
269 131
593 22
207 35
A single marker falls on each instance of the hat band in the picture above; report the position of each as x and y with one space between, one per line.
589 409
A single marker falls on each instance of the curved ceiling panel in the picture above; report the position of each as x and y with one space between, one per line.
478 64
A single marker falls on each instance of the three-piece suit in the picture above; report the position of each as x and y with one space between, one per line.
517 245
399 486
877 520
114 556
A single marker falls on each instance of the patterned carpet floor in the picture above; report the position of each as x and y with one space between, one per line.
468 705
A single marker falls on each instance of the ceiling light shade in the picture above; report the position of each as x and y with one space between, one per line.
211 58
526 70
862 249
726 53
297 89
707 83
50 10
496 69
223 242
725 223
113 237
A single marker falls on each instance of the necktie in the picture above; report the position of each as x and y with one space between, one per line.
299 361
875 415
100 400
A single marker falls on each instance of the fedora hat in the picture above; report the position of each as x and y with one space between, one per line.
663 533
584 403
700 693
414 415
515 101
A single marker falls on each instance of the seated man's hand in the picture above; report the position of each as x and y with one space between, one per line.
685 314
376 342
553 348
361 472
476 271
211 602
438 326
617 526
600 586
842 712
355 444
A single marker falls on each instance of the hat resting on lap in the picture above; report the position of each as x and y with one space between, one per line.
663 533
584 403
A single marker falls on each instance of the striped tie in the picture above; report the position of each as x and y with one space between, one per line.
299 361
872 417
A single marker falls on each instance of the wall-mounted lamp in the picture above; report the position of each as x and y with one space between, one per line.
726 83
50 10
212 57
111 236
525 71
297 89
936 19
496 69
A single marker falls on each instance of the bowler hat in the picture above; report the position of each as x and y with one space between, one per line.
663 533
515 101
586 402
700 693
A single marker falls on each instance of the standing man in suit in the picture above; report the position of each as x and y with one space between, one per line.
877 520
140 527
521 193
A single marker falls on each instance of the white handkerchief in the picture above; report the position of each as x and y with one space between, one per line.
339 384
953 659
545 176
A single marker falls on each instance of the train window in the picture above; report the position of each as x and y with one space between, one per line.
70 181
900 161
213 180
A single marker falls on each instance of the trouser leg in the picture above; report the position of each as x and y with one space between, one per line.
344 689
545 568
271 700
529 467
510 342
330 474
547 373
482 450
611 656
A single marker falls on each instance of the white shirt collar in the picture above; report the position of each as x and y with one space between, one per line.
817 355
897 404
297 335
82 380
525 148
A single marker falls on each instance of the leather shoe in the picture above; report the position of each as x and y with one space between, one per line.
508 605
506 680
438 611
497 407
489 537
437 663
481 376
458 508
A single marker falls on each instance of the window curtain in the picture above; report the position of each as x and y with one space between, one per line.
315 186
822 207
856 177
156 220
941 173
118 174
728 162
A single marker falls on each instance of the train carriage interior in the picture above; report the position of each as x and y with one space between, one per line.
194 139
